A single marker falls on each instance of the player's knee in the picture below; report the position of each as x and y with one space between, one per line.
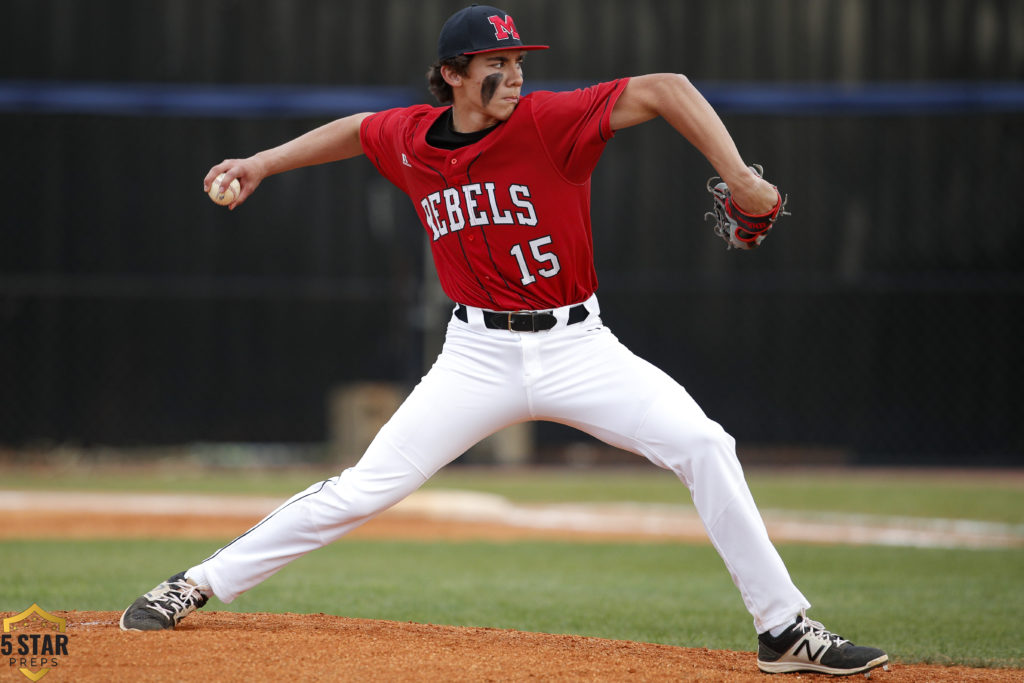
708 441
717 439
712 446
365 493
693 449
359 505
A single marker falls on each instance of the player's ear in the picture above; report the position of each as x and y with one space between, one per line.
451 76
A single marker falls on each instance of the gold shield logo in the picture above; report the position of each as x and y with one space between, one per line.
28 652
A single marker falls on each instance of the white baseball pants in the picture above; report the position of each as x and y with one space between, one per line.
486 379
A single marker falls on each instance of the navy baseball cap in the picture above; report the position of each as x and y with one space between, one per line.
477 29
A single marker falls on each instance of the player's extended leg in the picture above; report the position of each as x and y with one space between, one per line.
466 396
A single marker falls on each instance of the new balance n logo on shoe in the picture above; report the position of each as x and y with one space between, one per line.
805 644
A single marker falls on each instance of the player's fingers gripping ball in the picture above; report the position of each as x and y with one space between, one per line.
224 195
739 229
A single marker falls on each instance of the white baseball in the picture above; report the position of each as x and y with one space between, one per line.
224 196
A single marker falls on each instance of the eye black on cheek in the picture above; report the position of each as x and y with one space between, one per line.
489 87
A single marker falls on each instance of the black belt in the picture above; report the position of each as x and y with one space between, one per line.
524 321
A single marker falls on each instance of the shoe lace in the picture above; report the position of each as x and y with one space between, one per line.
179 597
818 629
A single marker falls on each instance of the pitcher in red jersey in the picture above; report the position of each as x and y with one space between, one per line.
501 183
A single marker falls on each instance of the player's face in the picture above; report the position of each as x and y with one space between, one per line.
493 82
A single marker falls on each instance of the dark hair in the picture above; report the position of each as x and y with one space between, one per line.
435 81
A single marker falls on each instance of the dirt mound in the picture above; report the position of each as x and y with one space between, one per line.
226 646
223 646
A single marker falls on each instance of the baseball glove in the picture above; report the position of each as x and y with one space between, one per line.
739 229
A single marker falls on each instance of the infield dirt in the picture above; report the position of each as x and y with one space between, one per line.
224 646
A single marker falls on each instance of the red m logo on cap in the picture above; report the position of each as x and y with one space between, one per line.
503 28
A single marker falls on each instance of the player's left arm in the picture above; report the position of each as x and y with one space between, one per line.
675 99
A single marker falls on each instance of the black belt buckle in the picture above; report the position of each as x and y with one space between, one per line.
530 322
524 321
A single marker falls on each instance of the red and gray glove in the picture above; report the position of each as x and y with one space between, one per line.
739 229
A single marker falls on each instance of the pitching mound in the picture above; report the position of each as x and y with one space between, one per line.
223 646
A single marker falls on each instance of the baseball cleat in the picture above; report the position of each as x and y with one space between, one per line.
164 606
807 646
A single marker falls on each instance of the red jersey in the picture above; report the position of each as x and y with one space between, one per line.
509 215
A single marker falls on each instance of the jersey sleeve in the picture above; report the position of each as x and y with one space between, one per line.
576 125
382 136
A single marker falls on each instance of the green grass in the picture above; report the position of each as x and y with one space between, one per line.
933 606
991 497
174 478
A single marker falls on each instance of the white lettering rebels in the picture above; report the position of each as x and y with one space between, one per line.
451 205
520 194
471 192
429 205
429 215
498 218
462 207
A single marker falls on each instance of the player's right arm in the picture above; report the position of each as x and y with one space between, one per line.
333 141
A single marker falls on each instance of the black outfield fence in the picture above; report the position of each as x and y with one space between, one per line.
883 319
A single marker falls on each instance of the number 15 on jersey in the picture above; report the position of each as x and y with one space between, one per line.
544 263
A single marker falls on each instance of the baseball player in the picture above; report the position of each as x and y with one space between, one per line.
501 183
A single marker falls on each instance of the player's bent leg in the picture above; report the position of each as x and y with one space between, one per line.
627 402
703 456
666 425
